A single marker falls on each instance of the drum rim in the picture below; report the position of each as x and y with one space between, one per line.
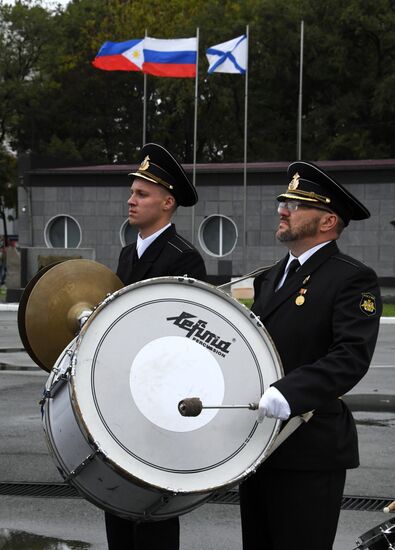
187 281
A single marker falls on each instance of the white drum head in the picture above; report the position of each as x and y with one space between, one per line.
154 344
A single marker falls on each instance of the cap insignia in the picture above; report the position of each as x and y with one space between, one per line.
368 304
145 164
294 183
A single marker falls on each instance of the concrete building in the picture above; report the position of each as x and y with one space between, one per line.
82 211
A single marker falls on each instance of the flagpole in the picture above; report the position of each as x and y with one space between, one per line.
245 155
145 105
299 139
195 131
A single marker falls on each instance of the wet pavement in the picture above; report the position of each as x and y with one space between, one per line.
73 523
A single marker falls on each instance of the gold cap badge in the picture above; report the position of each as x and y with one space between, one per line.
145 164
294 183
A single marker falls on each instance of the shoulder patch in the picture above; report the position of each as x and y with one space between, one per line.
368 303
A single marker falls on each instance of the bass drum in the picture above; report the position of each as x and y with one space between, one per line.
111 409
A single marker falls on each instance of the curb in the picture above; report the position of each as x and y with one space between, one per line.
9 307
14 307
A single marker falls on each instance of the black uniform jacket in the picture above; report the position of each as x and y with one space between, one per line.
325 345
169 255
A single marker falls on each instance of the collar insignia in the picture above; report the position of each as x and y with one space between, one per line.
145 164
294 183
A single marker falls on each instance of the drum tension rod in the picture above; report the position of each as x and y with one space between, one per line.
193 406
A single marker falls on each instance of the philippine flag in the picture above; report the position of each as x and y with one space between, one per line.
120 56
174 57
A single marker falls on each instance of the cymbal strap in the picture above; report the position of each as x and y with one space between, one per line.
253 273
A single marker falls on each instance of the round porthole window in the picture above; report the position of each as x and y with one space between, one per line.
128 233
218 235
62 232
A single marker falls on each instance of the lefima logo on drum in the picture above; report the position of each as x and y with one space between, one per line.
197 331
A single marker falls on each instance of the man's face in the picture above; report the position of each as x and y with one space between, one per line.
147 204
298 225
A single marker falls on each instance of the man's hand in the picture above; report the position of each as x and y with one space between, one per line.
273 405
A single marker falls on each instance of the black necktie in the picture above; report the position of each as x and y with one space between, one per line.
135 256
293 266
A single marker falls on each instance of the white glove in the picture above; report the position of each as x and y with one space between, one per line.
273 405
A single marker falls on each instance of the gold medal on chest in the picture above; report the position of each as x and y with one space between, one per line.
300 298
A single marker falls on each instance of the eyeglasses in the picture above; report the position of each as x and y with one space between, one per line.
292 206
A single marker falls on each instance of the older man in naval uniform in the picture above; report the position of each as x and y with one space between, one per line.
159 186
322 310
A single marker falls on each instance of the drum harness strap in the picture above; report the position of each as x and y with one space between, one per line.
253 273
289 429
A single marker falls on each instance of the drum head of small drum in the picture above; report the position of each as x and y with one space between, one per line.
155 343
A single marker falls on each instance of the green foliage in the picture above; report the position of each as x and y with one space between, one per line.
8 179
54 102
348 113
26 35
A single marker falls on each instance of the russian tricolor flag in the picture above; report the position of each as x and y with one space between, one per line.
158 57
170 57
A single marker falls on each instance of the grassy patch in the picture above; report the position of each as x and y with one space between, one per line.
388 310
246 302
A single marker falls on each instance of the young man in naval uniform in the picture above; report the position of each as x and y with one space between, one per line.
324 320
159 186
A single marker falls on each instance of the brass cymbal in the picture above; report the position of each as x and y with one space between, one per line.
22 312
55 300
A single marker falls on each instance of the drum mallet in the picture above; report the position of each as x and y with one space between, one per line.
193 406
389 508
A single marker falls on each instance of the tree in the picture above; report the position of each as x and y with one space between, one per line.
349 65
8 179
53 101
27 34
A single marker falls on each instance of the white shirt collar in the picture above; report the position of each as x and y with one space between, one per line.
302 259
306 255
143 244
